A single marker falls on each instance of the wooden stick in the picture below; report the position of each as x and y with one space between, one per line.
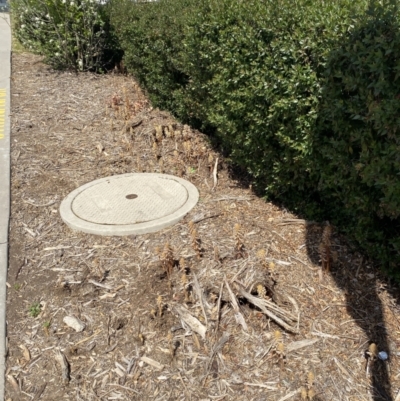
200 296
238 315
215 174
262 304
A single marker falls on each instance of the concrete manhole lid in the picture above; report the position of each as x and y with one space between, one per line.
126 204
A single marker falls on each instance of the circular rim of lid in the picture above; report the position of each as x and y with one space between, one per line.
79 224
109 202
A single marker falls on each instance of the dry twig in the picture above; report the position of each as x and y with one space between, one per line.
274 312
215 174
65 368
190 320
238 315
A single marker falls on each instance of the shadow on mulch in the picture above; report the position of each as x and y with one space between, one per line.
363 302
364 305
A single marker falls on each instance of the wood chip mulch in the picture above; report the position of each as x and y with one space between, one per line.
229 304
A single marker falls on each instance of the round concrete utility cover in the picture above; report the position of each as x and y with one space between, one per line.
126 204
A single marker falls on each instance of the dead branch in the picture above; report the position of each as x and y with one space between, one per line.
239 317
274 312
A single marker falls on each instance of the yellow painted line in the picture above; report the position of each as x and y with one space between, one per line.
3 94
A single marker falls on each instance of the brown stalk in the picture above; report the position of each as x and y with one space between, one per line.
325 248
239 250
196 242
167 260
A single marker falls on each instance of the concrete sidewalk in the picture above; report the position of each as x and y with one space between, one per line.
5 72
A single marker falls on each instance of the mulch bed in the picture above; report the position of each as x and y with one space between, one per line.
229 304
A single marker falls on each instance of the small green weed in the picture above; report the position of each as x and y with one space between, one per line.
35 309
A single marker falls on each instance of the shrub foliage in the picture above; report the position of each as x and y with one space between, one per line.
151 36
304 94
72 34
358 141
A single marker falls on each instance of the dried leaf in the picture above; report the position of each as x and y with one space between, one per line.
373 351
25 353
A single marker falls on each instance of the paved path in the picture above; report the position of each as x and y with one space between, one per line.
5 72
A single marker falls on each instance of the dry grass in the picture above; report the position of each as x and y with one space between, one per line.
235 307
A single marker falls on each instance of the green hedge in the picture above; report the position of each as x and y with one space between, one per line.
303 94
256 70
151 36
357 147
70 34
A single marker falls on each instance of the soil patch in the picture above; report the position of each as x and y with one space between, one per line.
229 304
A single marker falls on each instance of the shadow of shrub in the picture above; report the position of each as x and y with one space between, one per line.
356 156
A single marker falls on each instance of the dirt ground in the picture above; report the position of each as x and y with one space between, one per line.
229 304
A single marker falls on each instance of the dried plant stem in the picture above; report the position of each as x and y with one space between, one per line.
285 319
218 309
235 305
216 348
62 360
196 243
215 174
325 248
167 260
200 297
239 251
